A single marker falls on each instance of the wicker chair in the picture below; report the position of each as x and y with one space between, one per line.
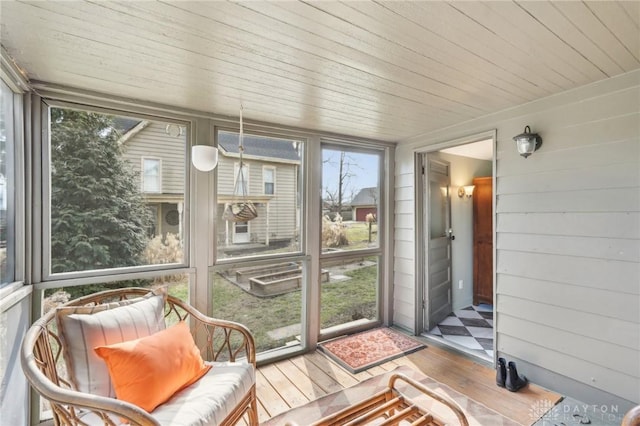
42 363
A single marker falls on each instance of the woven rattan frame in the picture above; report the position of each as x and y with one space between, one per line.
41 360
390 407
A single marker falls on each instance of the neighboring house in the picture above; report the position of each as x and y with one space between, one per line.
365 202
271 168
158 160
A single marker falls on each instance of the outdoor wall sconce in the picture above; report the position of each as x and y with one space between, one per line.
527 142
466 190
204 157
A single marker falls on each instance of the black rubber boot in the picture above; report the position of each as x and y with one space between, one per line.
514 382
501 372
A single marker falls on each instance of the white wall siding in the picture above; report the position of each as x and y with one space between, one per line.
154 142
404 246
568 238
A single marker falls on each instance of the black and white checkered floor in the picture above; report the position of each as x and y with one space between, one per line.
471 327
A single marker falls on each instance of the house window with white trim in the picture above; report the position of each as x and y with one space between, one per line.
269 180
151 175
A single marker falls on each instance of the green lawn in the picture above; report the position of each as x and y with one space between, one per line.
342 302
358 235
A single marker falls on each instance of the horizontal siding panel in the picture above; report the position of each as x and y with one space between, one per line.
405 193
592 247
577 158
582 348
405 165
587 133
614 382
624 175
612 275
596 108
405 180
404 206
405 250
595 200
404 221
587 324
405 266
576 298
600 225
404 235
402 319
405 294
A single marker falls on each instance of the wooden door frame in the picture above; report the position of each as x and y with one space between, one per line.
420 232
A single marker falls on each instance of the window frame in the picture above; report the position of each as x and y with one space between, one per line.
303 138
50 279
12 290
273 181
381 251
143 159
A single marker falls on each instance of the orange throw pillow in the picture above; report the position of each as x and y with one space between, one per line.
148 371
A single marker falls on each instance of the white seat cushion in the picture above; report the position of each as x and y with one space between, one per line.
210 399
206 402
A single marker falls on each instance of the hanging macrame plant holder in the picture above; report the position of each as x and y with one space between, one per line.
241 209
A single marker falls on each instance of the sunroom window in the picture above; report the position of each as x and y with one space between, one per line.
106 192
7 187
276 230
350 248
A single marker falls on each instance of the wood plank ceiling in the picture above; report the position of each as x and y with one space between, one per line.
382 70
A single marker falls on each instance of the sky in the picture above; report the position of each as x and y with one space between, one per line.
363 168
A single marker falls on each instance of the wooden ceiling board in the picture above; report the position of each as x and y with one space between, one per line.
412 69
436 48
577 37
583 16
374 69
632 8
546 49
341 72
349 59
143 53
481 41
422 58
622 26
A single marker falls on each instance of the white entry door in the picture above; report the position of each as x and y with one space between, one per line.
438 243
241 233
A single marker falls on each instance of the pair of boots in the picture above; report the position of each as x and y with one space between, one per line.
507 377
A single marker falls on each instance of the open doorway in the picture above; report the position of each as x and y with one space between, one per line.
458 231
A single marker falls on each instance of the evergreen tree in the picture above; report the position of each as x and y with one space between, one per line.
98 216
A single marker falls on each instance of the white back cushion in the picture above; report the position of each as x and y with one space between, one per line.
82 328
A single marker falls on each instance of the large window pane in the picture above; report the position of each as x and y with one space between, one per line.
350 199
7 184
265 161
349 291
117 191
265 298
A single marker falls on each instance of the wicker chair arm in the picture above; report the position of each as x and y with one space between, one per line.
198 317
632 418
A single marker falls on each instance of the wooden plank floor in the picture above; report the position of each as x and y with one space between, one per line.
293 382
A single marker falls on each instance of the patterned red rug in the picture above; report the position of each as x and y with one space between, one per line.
370 348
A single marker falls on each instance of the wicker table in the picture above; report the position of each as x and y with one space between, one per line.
390 407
